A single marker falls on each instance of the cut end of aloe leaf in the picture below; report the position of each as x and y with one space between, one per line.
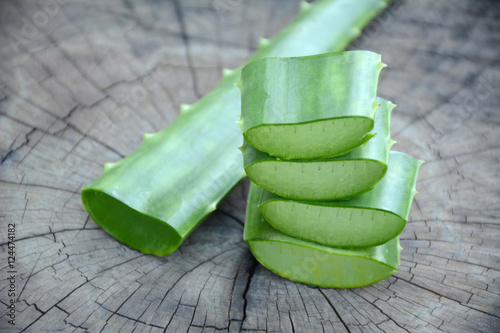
293 141
137 230
317 180
285 119
322 267
370 219
312 263
330 178
342 227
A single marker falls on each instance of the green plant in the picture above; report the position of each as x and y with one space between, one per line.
155 197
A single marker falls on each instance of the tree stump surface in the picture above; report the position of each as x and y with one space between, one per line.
82 81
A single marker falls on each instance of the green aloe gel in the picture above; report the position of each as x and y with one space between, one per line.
370 219
312 263
309 107
335 178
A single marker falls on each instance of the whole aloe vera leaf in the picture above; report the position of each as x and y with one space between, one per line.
309 107
370 219
312 263
155 197
335 178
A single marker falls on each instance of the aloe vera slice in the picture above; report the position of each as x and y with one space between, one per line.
330 117
155 197
312 263
335 178
370 219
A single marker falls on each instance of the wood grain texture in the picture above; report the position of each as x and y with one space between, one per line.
81 81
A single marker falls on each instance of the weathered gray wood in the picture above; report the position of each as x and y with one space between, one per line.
81 88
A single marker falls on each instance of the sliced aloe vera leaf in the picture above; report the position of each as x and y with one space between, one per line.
335 178
309 107
312 263
152 204
370 219
162 191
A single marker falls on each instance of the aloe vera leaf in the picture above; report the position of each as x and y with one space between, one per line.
335 178
330 117
155 197
312 263
370 219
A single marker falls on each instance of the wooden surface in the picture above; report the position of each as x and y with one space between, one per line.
78 90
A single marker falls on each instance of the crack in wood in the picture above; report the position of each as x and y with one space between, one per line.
185 39
43 313
335 310
461 303
233 217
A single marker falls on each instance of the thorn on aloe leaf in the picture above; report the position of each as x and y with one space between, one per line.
240 124
185 108
227 72
263 42
356 31
212 207
304 5
108 166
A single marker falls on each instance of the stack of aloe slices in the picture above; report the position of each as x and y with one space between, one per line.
328 198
